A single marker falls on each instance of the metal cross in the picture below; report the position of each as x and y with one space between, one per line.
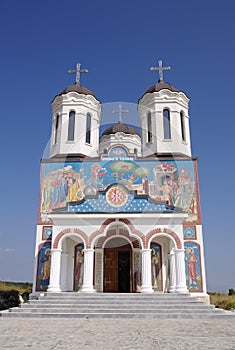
120 111
78 71
160 69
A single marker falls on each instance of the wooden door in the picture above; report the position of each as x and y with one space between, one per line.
111 270
124 271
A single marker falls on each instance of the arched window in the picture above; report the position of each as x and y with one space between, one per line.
88 128
167 124
71 126
149 128
56 129
182 126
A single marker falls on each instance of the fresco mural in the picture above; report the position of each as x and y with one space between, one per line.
190 233
47 232
68 185
156 266
44 263
78 266
193 266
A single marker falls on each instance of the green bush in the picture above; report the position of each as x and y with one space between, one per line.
231 291
9 299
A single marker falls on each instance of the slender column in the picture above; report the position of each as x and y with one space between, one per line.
146 286
87 286
181 286
64 272
54 285
172 272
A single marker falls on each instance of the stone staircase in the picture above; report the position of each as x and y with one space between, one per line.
112 305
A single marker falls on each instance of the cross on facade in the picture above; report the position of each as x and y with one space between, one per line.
120 112
160 69
78 71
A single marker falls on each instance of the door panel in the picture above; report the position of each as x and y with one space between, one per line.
110 270
124 270
117 270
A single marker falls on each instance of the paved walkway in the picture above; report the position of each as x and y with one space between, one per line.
100 334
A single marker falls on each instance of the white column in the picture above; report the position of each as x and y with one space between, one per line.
146 286
54 285
64 272
87 286
181 286
172 272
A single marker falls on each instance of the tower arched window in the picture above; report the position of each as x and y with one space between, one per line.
149 128
182 122
71 126
88 128
167 124
56 129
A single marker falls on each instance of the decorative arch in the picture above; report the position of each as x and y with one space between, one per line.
65 232
106 223
170 233
122 233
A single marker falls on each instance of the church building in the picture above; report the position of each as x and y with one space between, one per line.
119 207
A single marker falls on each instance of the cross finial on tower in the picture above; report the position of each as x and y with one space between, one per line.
120 111
78 71
160 69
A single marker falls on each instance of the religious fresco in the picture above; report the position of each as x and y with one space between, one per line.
44 263
193 266
121 183
47 233
190 232
156 266
78 266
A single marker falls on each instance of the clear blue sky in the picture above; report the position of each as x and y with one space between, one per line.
117 41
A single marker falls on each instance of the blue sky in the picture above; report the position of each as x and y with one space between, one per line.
117 42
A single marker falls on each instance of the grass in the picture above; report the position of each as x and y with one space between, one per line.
21 287
222 300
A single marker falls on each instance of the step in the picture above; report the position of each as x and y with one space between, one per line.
115 306
120 315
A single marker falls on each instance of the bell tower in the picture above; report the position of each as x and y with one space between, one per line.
75 121
164 119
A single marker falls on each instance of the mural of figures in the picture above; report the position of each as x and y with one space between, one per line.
78 266
193 266
44 263
171 182
156 266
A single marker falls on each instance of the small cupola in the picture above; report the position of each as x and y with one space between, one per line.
121 134
75 120
164 119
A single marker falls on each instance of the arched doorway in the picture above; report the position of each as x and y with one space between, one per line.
117 266
162 261
72 261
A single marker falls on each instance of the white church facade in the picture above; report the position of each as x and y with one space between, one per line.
119 210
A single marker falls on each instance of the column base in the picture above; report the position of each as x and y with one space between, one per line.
53 289
87 289
181 289
172 290
146 289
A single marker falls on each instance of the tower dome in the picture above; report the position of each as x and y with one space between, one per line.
78 88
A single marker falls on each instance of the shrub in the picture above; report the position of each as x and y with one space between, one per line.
9 299
231 291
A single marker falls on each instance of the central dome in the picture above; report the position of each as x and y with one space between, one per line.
120 127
